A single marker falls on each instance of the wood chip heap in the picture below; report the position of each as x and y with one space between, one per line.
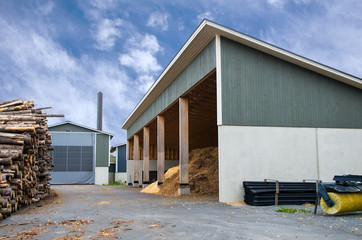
203 175
25 161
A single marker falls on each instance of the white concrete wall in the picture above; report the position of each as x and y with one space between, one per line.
120 177
101 175
340 152
130 171
285 154
153 167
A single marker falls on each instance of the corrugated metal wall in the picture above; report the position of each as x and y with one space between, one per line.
203 64
261 90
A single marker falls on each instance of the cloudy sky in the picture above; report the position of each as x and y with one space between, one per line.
61 53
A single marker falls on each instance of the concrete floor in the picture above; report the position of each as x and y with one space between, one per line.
102 212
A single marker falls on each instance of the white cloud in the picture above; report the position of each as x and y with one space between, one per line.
145 82
180 25
105 28
158 20
277 3
107 33
331 36
302 1
117 83
35 67
141 61
141 57
30 50
38 68
281 3
103 4
206 15
149 43
141 54
46 8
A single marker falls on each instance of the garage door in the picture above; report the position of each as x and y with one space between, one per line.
73 158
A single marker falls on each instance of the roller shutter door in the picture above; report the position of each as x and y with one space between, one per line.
73 158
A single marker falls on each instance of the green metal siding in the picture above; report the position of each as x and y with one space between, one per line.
204 63
102 150
261 90
66 127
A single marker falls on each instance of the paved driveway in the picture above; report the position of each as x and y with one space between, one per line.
102 212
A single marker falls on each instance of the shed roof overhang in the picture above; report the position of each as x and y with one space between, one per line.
207 31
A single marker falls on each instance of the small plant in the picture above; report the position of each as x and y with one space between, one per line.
292 210
115 184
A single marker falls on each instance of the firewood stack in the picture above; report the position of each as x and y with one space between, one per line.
25 159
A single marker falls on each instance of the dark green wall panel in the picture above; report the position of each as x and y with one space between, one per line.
261 90
102 150
203 64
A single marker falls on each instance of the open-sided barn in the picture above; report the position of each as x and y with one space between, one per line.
271 113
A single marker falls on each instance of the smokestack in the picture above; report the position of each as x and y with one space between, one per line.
99 111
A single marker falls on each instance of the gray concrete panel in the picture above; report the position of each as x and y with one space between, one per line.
72 178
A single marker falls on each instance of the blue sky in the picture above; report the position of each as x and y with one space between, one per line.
60 53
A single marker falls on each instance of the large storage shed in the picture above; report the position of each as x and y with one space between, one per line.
271 113
81 154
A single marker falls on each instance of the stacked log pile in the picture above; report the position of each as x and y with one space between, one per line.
25 159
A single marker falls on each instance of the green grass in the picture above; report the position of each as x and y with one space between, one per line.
292 210
115 184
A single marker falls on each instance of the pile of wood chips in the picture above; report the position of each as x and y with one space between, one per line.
203 175
25 161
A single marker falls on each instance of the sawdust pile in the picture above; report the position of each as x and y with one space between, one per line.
203 175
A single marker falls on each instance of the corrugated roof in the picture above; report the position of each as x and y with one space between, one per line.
79 125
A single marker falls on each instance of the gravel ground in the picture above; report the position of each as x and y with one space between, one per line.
103 212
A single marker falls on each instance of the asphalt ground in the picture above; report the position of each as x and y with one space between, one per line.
104 212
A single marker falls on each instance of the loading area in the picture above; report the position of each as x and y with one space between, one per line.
104 212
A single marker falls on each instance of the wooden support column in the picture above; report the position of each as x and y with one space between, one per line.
136 157
184 145
160 149
146 155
